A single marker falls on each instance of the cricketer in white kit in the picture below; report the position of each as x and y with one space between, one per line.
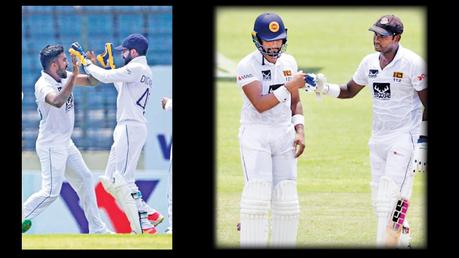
54 146
398 144
271 137
133 83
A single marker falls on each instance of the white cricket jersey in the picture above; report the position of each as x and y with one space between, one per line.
396 104
56 124
254 67
133 82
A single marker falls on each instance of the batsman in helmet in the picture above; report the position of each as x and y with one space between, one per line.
271 137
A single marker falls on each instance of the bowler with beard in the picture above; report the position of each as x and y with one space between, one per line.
54 146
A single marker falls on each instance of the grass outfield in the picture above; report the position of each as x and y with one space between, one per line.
85 241
334 171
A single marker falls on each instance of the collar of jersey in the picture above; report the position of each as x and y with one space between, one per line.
139 59
264 61
397 56
50 79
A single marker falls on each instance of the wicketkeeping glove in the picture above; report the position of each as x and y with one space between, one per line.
106 58
78 51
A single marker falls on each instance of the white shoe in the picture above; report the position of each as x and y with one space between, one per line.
104 231
168 230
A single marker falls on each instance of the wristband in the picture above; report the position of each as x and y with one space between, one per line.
333 90
297 119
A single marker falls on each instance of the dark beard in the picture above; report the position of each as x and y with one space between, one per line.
62 73
127 59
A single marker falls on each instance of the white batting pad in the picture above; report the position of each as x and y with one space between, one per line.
255 205
285 214
123 196
387 196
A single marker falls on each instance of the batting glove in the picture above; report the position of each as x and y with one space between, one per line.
106 58
420 151
311 82
77 51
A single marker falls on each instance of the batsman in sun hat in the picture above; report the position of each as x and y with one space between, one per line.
398 144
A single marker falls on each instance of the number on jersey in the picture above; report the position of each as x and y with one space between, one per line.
142 101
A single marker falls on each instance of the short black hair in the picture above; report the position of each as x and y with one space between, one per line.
141 53
49 53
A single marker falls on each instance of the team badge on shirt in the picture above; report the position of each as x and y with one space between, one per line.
397 76
287 75
381 90
372 73
266 75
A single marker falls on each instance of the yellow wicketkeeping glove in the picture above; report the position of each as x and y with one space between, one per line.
77 51
106 58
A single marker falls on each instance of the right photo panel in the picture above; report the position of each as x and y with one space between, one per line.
321 127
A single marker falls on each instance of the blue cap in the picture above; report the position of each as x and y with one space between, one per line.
134 41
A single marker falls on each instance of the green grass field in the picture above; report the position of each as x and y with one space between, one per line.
85 241
334 171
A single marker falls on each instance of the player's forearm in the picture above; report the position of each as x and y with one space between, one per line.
60 99
266 102
346 92
99 74
86 80
92 81
299 128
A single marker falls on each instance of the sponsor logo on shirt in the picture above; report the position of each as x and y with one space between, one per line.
381 90
266 75
372 73
397 76
421 77
245 76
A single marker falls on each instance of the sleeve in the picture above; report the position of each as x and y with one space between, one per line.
245 74
127 73
360 76
42 90
418 75
294 65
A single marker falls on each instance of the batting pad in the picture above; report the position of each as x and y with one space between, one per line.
255 205
387 196
285 214
125 198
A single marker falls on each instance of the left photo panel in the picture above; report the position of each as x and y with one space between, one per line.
97 127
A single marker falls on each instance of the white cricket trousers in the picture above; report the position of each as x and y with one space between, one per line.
129 137
267 153
391 156
54 160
